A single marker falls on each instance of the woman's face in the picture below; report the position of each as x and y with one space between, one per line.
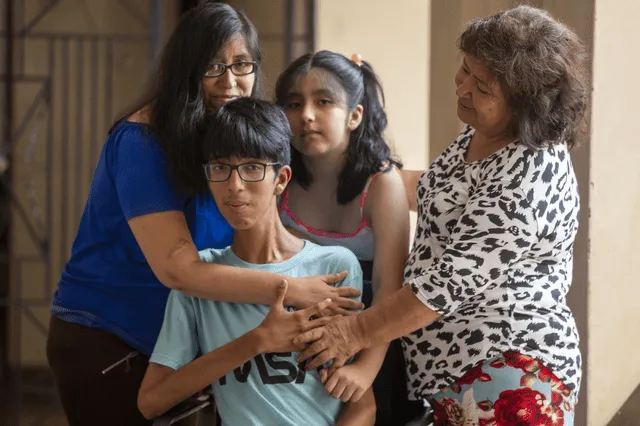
481 102
318 115
221 89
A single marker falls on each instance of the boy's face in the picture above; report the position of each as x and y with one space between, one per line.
245 204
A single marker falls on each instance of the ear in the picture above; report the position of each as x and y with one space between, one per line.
356 118
283 178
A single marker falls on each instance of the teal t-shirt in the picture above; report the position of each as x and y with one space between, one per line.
271 389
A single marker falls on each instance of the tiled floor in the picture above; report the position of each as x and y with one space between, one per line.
37 406
32 412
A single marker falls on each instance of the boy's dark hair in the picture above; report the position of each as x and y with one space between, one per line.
368 150
175 93
248 128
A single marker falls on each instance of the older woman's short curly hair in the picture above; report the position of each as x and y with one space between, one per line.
540 66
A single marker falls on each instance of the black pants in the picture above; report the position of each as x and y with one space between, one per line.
393 406
77 355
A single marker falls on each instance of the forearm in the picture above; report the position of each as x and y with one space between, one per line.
372 358
197 375
395 316
361 413
224 283
166 243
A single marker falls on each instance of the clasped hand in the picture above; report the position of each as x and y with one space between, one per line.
320 339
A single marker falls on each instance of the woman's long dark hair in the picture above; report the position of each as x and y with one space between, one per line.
368 150
174 95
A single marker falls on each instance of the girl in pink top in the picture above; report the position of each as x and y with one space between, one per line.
346 190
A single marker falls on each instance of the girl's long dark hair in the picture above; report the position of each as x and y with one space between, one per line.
368 150
174 95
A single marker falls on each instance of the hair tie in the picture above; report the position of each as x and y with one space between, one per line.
357 59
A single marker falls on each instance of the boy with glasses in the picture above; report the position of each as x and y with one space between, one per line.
247 144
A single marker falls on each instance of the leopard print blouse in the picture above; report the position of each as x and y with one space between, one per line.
493 255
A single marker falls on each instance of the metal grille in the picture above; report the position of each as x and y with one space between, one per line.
63 74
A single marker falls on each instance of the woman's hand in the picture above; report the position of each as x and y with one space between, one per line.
307 291
348 383
338 340
280 327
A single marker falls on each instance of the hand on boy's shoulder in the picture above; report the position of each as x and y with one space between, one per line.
336 259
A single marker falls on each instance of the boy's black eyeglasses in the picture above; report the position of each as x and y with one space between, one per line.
248 172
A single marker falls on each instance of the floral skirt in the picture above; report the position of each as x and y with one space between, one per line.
510 390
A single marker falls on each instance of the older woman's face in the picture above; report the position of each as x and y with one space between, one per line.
481 103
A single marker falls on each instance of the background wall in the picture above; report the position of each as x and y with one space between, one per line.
77 65
378 30
614 225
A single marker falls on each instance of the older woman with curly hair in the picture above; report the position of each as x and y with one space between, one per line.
487 333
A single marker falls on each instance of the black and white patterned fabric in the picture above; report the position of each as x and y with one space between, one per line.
493 254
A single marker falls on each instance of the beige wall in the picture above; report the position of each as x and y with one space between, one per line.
614 317
581 20
394 38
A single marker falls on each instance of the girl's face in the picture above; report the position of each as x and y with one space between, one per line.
317 111
221 89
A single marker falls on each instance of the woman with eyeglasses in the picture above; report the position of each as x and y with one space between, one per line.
147 214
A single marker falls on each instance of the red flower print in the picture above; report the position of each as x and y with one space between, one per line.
498 363
545 375
439 415
556 399
561 388
455 387
487 422
553 413
448 411
526 406
523 362
485 405
528 379
474 374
